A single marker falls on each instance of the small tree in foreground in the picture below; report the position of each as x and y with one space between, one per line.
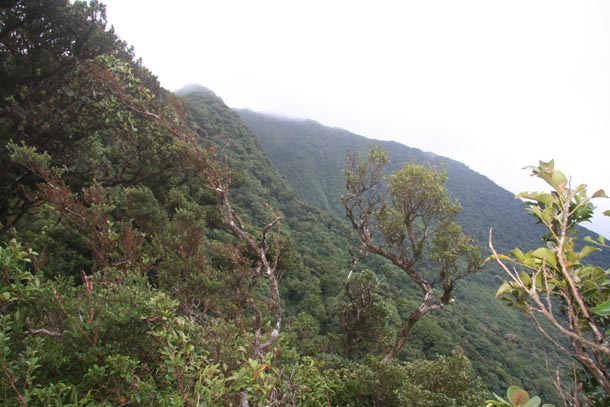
412 224
554 283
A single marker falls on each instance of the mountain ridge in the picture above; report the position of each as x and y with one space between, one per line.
486 206
287 143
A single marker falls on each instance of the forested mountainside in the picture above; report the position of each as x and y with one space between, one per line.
478 324
312 157
151 254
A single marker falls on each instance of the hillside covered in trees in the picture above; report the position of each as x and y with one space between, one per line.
312 158
164 250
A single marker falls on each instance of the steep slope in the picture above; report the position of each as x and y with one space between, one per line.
317 239
312 157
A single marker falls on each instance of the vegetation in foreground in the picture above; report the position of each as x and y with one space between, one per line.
146 262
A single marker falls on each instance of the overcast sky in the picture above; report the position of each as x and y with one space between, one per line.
497 85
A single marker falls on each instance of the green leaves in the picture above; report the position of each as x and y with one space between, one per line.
547 172
410 221
601 240
535 259
560 274
505 288
602 309
549 207
541 256
540 197
517 397
418 192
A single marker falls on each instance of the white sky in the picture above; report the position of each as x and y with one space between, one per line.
497 85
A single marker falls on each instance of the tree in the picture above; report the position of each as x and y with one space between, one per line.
411 222
89 138
554 284
364 315
47 84
252 254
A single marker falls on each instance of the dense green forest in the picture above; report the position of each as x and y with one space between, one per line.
312 158
163 250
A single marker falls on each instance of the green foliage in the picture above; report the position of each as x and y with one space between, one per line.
365 316
517 397
411 226
315 254
113 343
16 283
47 83
311 157
558 273
303 333
445 381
